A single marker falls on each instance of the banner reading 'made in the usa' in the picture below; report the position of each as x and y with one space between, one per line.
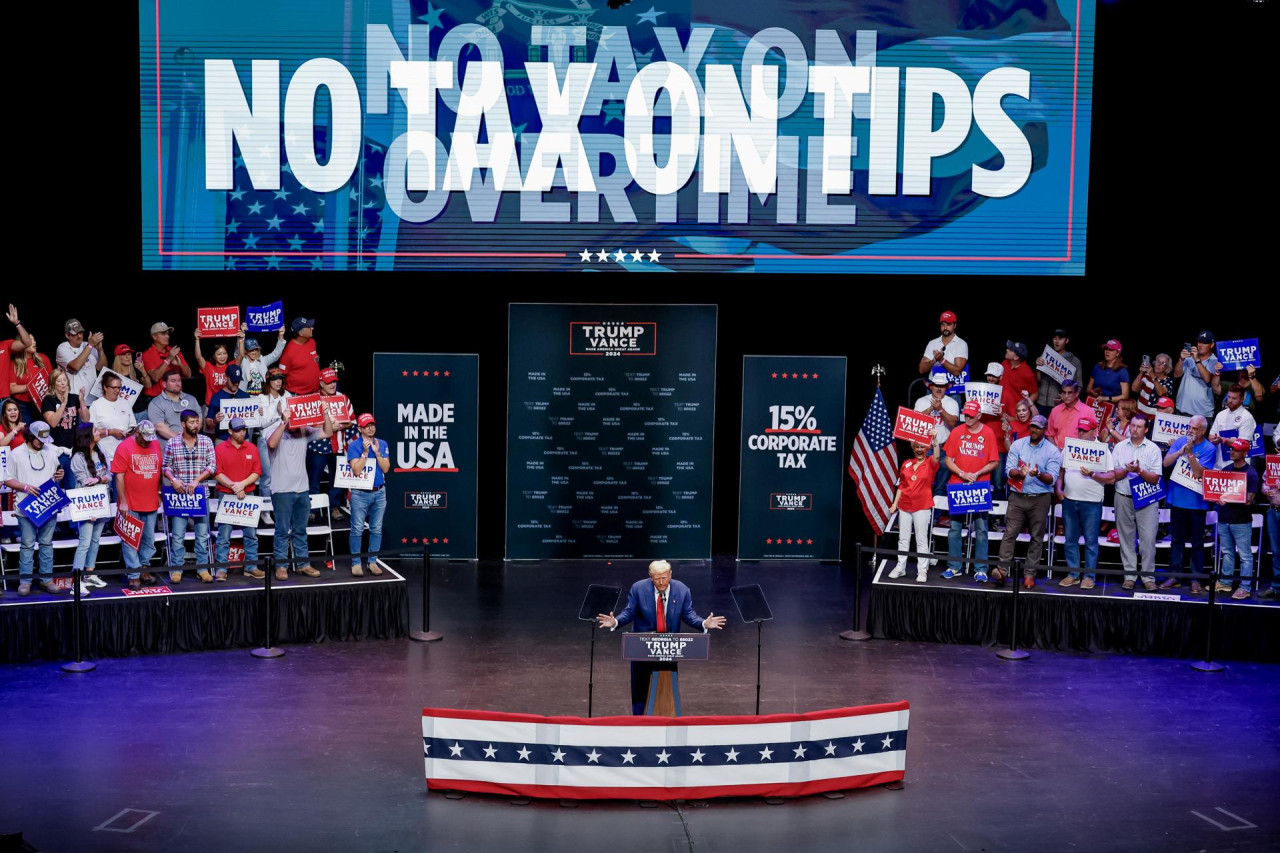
427 408
792 468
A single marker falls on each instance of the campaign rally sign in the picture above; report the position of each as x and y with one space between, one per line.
44 504
1255 443
306 410
1101 411
129 390
1093 455
89 503
345 479
194 505
968 497
339 408
129 529
1183 475
264 318
1055 366
1236 355
218 321
1226 486
241 513
38 385
1169 427
1272 476
4 462
958 383
248 408
988 396
911 425
1145 494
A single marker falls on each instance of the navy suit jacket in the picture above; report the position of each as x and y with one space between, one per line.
642 607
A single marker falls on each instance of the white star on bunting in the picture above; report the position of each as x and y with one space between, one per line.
585 255
558 755
799 751
593 757
831 748
490 751
455 750
663 756
628 757
888 741
732 754
697 755
619 256
524 753
857 745
766 754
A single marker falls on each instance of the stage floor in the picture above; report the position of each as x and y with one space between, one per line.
321 749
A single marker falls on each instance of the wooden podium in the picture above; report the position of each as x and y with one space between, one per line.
664 652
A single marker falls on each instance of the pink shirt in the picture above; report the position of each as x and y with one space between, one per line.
1062 422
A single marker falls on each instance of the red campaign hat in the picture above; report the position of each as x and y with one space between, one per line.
365 419
947 317
973 407
123 349
1164 403
1086 422
1240 444
1112 344
1114 535
328 375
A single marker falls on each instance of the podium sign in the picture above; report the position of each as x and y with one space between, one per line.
666 648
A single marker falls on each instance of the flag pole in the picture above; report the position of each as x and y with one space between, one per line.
877 371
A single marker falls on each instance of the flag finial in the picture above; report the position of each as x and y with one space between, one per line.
877 372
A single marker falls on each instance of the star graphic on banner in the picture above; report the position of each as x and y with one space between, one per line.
613 110
806 376
273 261
788 541
436 373
287 169
795 376
426 746
376 181
651 16
273 224
295 243
663 756
415 540
831 748
301 208
643 59
696 755
628 757
490 751
775 376
239 161
815 376
445 540
808 541
768 541
732 754
857 745
619 256
317 263
887 742
766 754
558 755
585 255
799 751
519 129
404 373
230 264
317 226
282 194
251 242
256 207
415 373
637 256
602 255
232 226
593 757
446 373
404 540
524 753
432 17
455 750
238 194
654 255
435 541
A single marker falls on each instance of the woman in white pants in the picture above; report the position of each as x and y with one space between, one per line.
914 504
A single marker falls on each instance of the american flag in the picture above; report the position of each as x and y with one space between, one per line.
873 464
664 758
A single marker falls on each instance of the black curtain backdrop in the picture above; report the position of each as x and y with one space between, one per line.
1174 235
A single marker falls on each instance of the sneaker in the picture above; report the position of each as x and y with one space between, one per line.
220 575
268 519
375 569
922 577
282 574
1128 584
979 577
1087 583
1222 587
24 588
257 574
204 576
95 581
175 577
357 570
309 571
85 590
49 587
1069 580
898 571
951 573
1171 583
1240 594
1150 586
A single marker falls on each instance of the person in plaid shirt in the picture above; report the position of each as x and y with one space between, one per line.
188 462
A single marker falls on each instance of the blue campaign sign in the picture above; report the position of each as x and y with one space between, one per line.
1238 354
44 504
194 505
971 497
1255 447
1145 494
264 318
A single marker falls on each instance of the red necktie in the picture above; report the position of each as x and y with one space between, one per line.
662 615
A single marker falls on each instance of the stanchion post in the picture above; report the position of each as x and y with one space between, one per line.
1013 652
856 633
77 615
1208 664
268 652
426 635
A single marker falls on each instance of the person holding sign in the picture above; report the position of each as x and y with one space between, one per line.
1235 524
214 371
239 469
1187 506
300 360
324 453
371 504
137 465
1234 419
1050 390
1081 492
112 415
215 419
972 454
31 466
1139 457
188 462
914 504
28 372
1201 374
254 364
89 467
289 497
945 412
1032 465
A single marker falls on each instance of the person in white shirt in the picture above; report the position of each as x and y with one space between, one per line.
1142 457
1081 491
253 363
948 350
111 413
80 356
1234 417
270 403
31 466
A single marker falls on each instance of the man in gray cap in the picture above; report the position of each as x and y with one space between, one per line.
80 356
1200 371
1032 468
159 357
31 467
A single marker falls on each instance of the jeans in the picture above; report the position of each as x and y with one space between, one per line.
954 541
264 483
1234 539
146 546
224 543
372 504
31 536
999 488
1186 525
316 465
1081 518
1273 534
292 510
177 543
87 551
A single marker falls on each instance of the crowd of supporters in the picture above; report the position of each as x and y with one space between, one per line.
143 419
1112 406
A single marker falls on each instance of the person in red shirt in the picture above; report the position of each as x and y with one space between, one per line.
159 357
1019 380
300 361
972 453
137 465
214 371
914 505
28 378
239 469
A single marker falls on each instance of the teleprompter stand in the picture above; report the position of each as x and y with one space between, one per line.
753 607
599 599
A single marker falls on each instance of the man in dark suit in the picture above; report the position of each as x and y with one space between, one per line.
658 604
